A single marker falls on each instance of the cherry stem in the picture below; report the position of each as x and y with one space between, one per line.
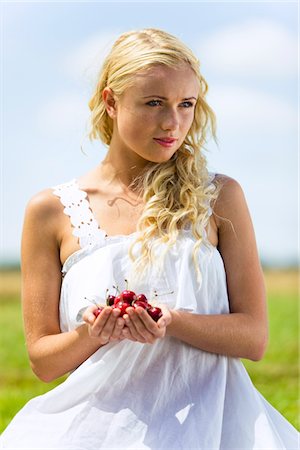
164 293
117 289
92 301
126 281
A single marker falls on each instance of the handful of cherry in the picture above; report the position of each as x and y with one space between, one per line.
128 298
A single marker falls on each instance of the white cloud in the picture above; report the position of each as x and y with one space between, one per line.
258 48
243 110
84 61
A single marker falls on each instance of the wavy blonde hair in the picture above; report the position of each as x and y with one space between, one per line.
177 193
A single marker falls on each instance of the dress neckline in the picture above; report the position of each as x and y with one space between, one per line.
106 235
99 237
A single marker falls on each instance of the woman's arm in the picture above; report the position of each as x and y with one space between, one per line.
244 332
52 353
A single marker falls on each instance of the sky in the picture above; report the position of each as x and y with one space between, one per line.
51 54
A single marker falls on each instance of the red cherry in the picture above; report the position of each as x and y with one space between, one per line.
122 306
140 303
128 296
142 297
154 312
110 299
118 299
98 311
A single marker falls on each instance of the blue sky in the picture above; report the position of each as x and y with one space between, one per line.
52 52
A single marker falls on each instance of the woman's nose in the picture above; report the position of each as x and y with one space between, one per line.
169 120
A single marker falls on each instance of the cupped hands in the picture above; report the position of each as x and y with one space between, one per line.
135 325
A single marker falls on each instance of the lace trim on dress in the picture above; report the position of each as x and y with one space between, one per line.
77 207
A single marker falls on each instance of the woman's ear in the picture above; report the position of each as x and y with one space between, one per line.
110 102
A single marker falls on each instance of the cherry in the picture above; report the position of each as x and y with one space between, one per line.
110 299
142 304
142 297
98 311
118 299
141 300
154 312
128 296
122 306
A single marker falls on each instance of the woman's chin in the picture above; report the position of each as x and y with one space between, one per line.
162 158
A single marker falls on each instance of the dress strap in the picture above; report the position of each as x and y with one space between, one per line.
77 207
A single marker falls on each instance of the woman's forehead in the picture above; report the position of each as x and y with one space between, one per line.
164 78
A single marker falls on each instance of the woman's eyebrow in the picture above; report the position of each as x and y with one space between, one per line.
165 98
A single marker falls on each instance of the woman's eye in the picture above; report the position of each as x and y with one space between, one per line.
187 104
154 103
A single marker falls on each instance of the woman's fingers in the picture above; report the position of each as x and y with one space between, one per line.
107 326
135 325
126 334
142 327
143 322
134 333
88 315
117 331
166 318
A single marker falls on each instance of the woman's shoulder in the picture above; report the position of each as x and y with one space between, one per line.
43 224
227 186
230 199
43 205
224 181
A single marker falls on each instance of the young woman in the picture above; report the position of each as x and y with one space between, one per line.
152 219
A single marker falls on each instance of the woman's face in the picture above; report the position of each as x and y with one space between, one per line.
153 116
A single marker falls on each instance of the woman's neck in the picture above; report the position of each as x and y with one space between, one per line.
121 168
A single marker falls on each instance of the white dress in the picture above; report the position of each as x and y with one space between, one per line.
128 395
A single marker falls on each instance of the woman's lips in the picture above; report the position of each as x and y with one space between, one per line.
166 142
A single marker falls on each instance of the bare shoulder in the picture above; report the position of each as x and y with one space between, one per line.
44 214
44 203
44 208
230 201
228 187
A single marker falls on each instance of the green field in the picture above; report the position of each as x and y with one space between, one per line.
276 376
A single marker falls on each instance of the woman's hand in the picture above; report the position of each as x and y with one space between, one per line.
142 328
107 326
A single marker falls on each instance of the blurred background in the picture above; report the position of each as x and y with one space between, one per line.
51 54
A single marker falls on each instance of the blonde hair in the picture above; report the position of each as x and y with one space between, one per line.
176 193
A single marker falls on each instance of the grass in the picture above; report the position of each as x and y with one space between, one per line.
275 376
